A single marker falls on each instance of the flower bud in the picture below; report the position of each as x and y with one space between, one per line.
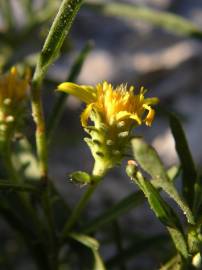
131 169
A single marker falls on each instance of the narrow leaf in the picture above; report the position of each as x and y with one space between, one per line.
161 209
59 30
150 162
5 185
173 264
98 263
188 167
85 240
93 244
179 241
165 20
164 213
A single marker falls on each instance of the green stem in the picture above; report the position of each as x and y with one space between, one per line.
79 208
98 174
51 48
38 116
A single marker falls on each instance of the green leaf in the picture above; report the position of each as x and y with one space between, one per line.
165 20
188 167
161 209
85 240
59 30
122 207
98 263
179 241
173 172
173 264
150 162
164 213
93 244
5 185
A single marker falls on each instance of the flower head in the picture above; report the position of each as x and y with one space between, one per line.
114 111
114 105
13 91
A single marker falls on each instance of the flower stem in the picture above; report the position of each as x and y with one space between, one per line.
79 207
98 174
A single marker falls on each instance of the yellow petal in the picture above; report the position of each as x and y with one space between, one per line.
136 118
13 71
150 116
122 115
85 114
126 115
85 93
151 101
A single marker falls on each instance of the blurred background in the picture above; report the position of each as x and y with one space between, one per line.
125 51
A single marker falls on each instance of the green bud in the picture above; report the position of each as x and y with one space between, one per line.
131 168
80 178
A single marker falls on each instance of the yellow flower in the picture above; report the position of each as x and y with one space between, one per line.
114 112
13 91
114 105
12 87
